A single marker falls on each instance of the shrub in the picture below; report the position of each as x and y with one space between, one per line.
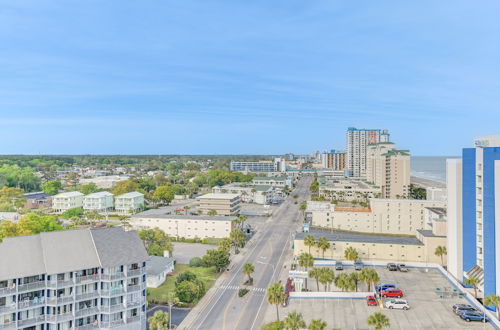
242 292
195 262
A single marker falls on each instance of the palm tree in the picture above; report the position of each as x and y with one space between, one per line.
315 273
276 296
440 252
248 269
309 241
344 282
351 253
326 276
225 244
276 325
355 278
317 325
493 300
294 321
306 260
323 245
379 321
369 276
473 281
159 321
212 213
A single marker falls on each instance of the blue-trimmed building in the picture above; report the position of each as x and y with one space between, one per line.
473 213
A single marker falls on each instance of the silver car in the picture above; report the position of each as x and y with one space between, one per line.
397 304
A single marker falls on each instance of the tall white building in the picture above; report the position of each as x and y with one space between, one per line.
474 214
67 200
129 203
357 143
73 279
99 202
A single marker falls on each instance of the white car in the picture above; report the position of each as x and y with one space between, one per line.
397 304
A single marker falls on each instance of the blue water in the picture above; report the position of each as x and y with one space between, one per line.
430 167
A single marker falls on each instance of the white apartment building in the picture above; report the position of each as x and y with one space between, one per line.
248 193
99 202
357 143
346 189
389 216
186 226
73 280
436 194
389 169
67 200
129 203
105 182
276 165
222 204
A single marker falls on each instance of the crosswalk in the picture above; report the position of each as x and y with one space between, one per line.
236 287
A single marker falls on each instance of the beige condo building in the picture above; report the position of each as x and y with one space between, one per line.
223 204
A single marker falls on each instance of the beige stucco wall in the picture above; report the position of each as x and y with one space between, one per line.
186 228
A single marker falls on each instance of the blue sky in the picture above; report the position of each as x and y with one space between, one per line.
250 77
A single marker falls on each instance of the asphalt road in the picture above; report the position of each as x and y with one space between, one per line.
226 310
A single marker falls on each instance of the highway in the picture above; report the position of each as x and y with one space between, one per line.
224 310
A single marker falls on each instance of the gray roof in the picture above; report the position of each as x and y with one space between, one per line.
428 233
346 236
69 250
185 217
438 210
36 195
157 265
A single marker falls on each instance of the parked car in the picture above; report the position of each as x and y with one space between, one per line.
397 304
358 265
385 287
461 308
402 268
393 292
474 316
371 301
339 265
392 267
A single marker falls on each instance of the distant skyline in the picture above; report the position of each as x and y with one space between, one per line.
245 77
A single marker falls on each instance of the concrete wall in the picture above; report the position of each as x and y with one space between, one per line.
192 228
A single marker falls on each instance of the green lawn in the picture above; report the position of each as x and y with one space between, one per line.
160 294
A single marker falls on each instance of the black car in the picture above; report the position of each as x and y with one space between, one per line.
392 267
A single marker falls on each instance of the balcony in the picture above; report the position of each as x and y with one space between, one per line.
60 317
60 284
132 319
111 324
8 326
30 322
134 288
87 279
112 309
112 292
87 311
135 272
7 291
31 303
87 295
86 327
60 300
112 277
31 286
135 303
7 308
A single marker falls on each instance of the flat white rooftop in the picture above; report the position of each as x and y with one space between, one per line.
219 196
69 194
99 194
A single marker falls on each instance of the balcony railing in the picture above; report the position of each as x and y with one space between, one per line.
60 300
31 286
112 277
31 303
112 292
111 324
7 291
86 327
60 317
135 303
134 288
30 322
112 308
132 319
135 272
87 311
8 326
60 283
7 308
87 278
87 296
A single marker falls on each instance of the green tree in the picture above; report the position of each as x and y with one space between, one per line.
355 278
123 187
369 276
323 245
351 253
73 178
33 223
493 301
309 241
225 244
190 291
315 273
344 282
378 321
248 269
237 238
186 276
11 199
88 188
72 213
212 213
326 276
51 187
474 282
317 324
217 258
276 296
156 241
164 194
159 321
306 260
276 325
440 252
294 321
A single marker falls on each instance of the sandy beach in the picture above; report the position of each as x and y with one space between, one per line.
425 183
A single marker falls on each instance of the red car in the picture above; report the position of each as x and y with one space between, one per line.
371 301
392 292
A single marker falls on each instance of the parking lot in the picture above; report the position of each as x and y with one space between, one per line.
428 310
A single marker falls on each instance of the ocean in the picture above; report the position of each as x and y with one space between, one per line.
430 167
